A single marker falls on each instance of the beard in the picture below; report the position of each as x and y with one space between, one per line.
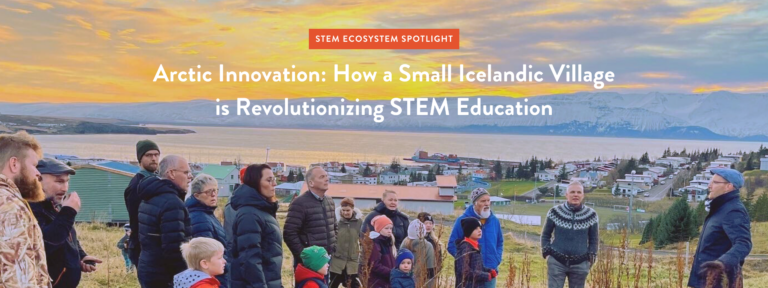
485 213
29 188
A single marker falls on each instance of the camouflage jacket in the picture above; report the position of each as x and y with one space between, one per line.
22 252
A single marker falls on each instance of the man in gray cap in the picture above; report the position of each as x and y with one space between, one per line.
56 216
725 237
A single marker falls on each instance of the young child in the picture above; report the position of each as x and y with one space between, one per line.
311 272
470 272
402 276
382 257
205 259
124 245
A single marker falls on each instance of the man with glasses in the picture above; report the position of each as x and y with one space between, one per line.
725 237
149 155
163 223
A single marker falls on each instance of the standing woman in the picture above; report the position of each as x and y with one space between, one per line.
257 242
202 201
345 260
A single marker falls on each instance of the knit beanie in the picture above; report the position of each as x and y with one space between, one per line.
348 202
469 224
379 222
315 257
416 230
402 255
424 217
144 146
242 174
477 193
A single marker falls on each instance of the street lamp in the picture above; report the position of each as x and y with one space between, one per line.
267 160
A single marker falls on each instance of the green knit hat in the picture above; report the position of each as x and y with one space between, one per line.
144 146
315 257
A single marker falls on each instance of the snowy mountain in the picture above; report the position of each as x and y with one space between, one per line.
718 115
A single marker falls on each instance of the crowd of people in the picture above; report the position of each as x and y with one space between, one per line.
174 239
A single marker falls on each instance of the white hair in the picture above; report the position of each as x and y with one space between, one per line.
200 182
167 164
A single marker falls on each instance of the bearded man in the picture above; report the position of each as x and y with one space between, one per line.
492 243
21 241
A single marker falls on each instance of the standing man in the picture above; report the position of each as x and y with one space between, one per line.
311 218
492 243
21 241
725 239
574 248
149 155
163 223
56 217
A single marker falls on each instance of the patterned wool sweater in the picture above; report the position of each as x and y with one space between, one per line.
575 234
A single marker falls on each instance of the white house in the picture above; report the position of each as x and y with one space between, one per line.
352 168
278 168
672 162
295 169
226 175
391 178
628 186
764 163
647 179
370 180
696 193
546 175
658 170
480 173
289 188
446 185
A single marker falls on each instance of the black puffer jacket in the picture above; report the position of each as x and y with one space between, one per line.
399 221
310 222
132 202
257 254
62 249
163 226
204 224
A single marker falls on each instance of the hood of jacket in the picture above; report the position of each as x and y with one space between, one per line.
194 205
303 273
189 277
247 196
151 187
356 215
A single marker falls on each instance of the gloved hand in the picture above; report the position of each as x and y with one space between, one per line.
493 273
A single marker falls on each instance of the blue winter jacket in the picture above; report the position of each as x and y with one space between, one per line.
725 236
400 279
204 224
491 243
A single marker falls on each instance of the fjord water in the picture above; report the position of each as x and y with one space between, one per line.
302 147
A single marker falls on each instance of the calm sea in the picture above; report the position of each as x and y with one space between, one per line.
302 147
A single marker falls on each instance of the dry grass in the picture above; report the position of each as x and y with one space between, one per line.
523 265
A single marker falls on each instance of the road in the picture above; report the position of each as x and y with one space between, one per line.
658 192
532 192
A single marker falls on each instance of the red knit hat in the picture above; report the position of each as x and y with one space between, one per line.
242 174
379 222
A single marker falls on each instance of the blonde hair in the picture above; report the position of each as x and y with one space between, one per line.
15 145
384 195
199 249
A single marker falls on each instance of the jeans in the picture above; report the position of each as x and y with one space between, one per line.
577 273
343 278
127 259
490 284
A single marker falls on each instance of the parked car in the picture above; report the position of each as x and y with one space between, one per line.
663 182
671 177
647 194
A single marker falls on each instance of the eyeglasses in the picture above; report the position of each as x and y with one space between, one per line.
210 192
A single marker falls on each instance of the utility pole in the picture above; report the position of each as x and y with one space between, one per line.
265 161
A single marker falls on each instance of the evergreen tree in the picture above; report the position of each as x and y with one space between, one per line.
558 193
367 171
519 173
563 174
497 172
644 159
761 208
701 214
616 191
395 165
647 232
461 169
480 163
430 176
343 168
748 166
291 177
660 233
679 224
750 197
300 177
509 173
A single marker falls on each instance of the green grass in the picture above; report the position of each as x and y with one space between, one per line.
511 188
606 215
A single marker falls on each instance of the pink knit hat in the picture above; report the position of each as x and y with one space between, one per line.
379 222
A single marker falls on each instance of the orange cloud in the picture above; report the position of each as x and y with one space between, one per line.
104 34
126 32
6 34
38 5
84 24
709 14
22 11
749 88
661 75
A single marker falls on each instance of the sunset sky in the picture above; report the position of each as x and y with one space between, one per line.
109 51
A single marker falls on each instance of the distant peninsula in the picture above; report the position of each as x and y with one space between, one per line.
41 125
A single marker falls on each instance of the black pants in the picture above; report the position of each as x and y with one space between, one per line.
343 278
